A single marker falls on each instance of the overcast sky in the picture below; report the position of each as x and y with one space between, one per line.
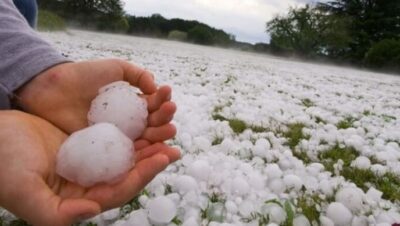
244 18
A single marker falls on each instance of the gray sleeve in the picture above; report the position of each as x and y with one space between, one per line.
23 54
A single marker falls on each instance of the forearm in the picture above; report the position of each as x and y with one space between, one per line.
23 53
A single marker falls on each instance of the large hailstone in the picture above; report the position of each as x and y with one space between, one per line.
118 103
100 153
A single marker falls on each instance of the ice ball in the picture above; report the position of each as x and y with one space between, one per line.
161 210
99 153
118 103
339 214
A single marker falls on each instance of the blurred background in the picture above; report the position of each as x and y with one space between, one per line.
363 33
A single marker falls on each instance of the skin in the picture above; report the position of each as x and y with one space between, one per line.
60 97
32 190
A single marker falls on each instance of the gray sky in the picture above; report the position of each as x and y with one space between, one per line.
244 18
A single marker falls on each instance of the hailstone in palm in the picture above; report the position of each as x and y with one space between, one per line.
118 103
100 153
104 152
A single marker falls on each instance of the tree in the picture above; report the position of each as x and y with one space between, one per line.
384 55
200 35
307 31
370 22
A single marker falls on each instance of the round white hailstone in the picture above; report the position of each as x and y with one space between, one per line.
161 210
261 147
240 186
202 143
231 207
326 221
190 222
277 186
138 217
301 220
360 221
277 214
118 103
361 162
378 169
315 168
200 170
374 194
352 198
256 181
273 171
292 182
143 199
246 208
227 145
385 217
186 140
111 214
339 214
184 184
100 153
326 187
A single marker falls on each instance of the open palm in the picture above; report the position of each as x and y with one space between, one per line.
62 95
33 191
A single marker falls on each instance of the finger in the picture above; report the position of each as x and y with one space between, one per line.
173 154
159 134
140 144
155 100
150 151
116 195
139 77
162 116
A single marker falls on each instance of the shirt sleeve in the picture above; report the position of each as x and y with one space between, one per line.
23 54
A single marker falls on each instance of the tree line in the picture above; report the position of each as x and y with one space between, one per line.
360 32
108 15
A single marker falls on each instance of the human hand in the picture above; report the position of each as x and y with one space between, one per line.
32 190
62 95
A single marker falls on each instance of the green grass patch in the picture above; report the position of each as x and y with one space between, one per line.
216 197
308 206
49 21
332 156
307 103
132 205
237 125
388 118
319 120
302 155
388 184
259 129
346 123
177 221
295 134
217 140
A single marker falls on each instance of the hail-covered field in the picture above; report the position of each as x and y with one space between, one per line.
264 141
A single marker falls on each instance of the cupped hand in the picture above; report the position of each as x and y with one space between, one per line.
62 95
33 191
